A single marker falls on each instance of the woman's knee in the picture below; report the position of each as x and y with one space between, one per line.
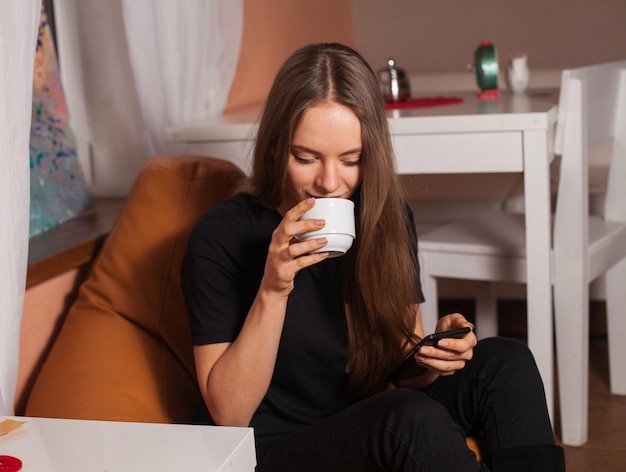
506 361
506 351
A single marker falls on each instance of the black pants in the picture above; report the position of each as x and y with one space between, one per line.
498 394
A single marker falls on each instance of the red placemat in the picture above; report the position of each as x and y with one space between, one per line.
423 102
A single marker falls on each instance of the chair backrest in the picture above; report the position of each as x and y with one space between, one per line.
591 127
591 122
124 352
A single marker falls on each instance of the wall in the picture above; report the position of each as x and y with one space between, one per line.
428 36
273 29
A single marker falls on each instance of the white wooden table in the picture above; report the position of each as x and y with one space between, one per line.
511 134
47 445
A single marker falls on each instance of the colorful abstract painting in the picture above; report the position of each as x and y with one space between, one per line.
58 191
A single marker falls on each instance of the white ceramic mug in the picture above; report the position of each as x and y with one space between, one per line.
339 229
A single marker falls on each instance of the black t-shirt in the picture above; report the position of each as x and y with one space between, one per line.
221 274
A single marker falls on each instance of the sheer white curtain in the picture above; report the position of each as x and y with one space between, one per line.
183 56
19 23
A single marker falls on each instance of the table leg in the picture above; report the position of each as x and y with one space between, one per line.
539 257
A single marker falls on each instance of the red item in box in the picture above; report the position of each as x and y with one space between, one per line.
10 464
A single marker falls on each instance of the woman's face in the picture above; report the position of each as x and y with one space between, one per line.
325 157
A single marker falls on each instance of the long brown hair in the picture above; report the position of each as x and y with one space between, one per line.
380 271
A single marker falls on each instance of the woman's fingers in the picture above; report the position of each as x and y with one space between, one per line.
292 226
287 255
298 249
445 354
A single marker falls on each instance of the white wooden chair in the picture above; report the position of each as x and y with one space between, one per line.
489 246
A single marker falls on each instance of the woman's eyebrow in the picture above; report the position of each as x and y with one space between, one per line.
304 149
352 151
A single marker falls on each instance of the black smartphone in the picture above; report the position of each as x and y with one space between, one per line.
407 367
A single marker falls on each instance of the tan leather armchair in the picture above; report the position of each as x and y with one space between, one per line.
124 352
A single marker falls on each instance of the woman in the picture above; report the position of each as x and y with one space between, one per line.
297 345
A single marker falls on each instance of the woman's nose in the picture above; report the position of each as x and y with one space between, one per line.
328 178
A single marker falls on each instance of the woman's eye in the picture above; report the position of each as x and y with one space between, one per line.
352 163
303 160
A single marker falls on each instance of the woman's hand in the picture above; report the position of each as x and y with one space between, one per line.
450 354
286 256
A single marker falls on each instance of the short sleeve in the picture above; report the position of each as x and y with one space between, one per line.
221 272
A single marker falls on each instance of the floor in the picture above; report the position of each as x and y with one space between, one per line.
606 448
